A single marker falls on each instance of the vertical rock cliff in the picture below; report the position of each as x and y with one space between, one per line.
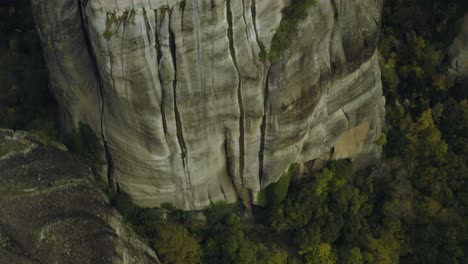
189 108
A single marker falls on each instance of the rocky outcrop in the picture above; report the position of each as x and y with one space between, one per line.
51 212
190 112
458 53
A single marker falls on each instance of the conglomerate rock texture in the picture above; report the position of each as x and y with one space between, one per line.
188 110
51 212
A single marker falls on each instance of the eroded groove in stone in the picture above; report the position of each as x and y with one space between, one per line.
263 129
253 9
159 57
239 91
191 113
180 134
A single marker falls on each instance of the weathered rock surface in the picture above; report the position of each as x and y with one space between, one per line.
50 211
458 53
188 111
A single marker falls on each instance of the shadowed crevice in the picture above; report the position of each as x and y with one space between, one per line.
263 128
179 129
239 91
107 152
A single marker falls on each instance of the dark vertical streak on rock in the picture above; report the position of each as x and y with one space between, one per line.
182 8
254 20
159 57
110 162
346 116
157 41
147 25
123 23
263 127
226 153
196 27
107 152
209 198
333 67
180 135
239 91
245 23
224 193
228 161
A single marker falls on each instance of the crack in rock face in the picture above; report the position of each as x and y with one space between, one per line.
191 111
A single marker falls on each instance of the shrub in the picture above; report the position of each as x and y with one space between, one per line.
175 245
124 204
84 142
275 193
292 15
220 211
229 243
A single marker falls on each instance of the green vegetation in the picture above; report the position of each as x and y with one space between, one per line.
179 238
173 242
326 215
84 142
276 192
113 21
425 191
408 209
111 18
228 242
175 245
292 15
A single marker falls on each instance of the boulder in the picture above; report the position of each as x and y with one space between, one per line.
52 212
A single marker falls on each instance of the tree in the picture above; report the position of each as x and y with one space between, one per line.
124 204
175 245
351 256
425 141
319 254
228 243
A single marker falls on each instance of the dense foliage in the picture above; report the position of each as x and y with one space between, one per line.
426 189
277 191
408 209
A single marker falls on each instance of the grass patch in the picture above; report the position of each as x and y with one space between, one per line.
292 15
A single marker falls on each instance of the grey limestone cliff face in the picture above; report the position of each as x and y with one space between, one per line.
51 212
187 109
